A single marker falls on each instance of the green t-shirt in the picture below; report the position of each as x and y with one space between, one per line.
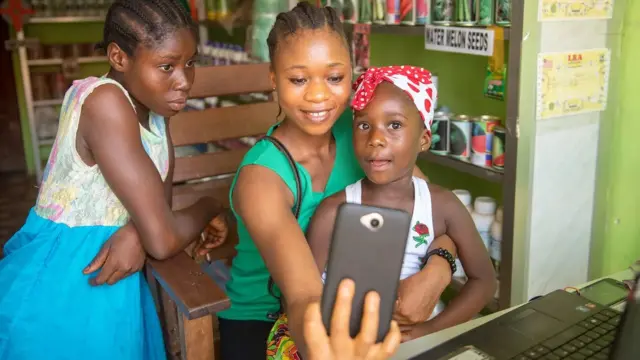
247 288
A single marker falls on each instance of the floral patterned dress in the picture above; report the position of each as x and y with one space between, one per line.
48 309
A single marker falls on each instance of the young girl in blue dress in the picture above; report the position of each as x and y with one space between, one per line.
106 190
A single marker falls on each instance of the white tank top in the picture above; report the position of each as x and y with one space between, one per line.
421 233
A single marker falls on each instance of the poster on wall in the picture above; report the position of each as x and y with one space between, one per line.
562 10
571 83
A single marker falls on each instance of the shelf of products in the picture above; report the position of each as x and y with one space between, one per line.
80 60
64 19
406 30
42 103
463 166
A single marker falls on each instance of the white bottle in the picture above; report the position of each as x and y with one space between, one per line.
483 215
496 239
465 199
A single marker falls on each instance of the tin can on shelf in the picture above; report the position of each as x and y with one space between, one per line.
442 12
497 148
393 11
440 133
466 12
379 12
503 13
481 139
434 81
460 137
474 12
423 12
485 13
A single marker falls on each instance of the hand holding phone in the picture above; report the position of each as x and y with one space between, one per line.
367 246
340 344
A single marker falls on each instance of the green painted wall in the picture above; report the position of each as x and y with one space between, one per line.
616 225
460 87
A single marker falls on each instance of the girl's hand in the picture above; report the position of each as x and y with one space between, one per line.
410 332
419 294
340 345
213 235
119 257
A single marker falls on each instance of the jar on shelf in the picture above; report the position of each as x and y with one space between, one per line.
496 239
484 209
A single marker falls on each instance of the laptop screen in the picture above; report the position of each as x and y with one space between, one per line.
626 345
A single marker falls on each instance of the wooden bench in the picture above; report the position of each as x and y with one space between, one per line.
187 298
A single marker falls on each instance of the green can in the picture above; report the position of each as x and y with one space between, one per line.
442 12
466 12
485 13
460 137
503 13
474 12
497 148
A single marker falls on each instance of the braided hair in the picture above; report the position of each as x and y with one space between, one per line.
130 23
303 16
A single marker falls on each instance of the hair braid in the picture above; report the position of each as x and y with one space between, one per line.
130 23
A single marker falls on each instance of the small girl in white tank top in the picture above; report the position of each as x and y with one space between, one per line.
392 117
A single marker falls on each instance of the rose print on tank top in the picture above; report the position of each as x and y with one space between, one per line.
423 233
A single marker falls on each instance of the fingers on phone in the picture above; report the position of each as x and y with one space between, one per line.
315 334
342 309
370 318
391 341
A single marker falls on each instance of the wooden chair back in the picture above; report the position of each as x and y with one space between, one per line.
211 173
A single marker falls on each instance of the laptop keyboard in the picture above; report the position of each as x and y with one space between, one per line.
590 339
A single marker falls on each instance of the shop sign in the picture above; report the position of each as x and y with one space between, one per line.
473 41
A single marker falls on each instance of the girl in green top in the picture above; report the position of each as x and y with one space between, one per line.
311 73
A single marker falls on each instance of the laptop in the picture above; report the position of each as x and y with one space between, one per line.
560 325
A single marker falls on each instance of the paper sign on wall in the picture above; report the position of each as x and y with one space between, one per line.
561 10
459 40
572 83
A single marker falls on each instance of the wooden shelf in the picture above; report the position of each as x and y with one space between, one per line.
65 19
457 284
52 102
469 168
81 60
46 142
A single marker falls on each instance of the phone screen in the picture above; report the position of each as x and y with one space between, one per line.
604 293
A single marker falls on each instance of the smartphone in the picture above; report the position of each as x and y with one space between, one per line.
605 292
368 246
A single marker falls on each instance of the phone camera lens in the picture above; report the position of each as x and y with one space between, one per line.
375 223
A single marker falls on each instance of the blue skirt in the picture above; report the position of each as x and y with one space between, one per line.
48 309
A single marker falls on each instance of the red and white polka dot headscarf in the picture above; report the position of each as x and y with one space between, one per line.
415 81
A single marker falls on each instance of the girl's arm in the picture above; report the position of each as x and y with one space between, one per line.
263 202
481 284
419 294
321 228
110 130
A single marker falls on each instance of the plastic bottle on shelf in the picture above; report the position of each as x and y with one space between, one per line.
484 209
496 239
465 198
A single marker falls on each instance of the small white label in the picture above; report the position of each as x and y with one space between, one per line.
472 41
